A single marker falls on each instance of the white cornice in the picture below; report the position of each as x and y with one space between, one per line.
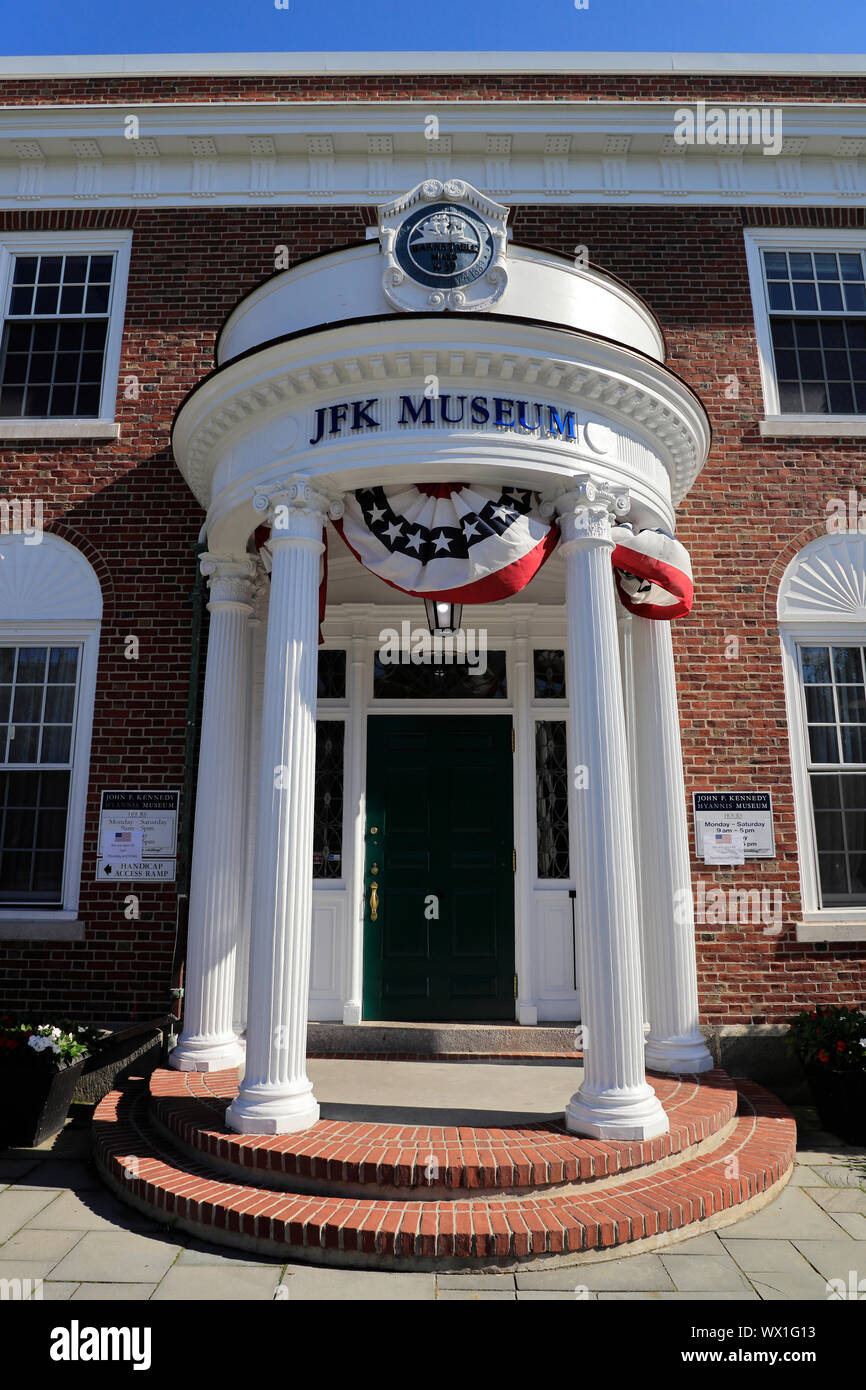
73 65
294 153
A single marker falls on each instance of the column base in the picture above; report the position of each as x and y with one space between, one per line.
197 1054
686 1053
635 1113
351 1013
272 1111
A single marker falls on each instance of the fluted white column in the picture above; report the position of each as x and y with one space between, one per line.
675 1042
209 1041
615 1101
276 1095
625 622
356 797
258 624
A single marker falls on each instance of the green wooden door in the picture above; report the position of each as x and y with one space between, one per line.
439 942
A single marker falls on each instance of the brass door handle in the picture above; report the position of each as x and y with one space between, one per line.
374 902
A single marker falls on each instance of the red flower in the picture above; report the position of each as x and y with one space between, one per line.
823 1055
840 1046
13 1044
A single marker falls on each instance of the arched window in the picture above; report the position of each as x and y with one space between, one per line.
822 617
50 611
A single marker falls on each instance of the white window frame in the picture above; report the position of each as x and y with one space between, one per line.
84 635
116 242
818 923
760 239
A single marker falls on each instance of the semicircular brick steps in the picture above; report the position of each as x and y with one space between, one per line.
515 1196
359 1158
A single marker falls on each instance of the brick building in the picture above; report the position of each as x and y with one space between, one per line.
221 315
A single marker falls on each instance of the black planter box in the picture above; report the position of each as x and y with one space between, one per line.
840 1099
34 1102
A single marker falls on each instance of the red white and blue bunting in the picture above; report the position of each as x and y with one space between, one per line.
653 573
451 541
476 544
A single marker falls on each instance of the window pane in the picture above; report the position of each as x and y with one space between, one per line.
779 295
855 830
328 809
828 830
853 791
852 704
31 664
332 675
56 743
847 664
551 798
27 706
823 744
59 704
815 663
23 743
549 665
831 869
825 790
62 664
853 743
819 704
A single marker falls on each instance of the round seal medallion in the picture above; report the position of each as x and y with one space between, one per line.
444 247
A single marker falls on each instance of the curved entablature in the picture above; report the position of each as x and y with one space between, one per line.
347 284
439 398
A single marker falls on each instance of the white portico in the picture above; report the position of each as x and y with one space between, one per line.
355 371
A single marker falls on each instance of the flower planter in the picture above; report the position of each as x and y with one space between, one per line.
34 1101
840 1099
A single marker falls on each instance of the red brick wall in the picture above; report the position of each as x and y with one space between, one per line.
100 91
753 505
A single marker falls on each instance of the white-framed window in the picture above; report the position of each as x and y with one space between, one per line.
62 300
50 611
809 298
822 615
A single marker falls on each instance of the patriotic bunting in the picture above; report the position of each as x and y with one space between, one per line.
451 541
653 573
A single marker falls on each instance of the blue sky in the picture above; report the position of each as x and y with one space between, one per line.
195 26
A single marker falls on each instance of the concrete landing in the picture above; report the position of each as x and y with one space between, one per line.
442 1093
439 1037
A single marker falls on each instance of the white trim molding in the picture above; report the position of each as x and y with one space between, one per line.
74 65
759 239
822 600
298 153
64 243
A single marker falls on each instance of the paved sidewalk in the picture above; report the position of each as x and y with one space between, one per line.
59 1224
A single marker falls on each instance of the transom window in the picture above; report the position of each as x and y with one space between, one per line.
817 309
834 695
38 691
54 336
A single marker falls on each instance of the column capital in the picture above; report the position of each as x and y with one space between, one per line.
588 509
230 580
295 509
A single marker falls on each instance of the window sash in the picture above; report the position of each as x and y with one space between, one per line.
837 820
29 781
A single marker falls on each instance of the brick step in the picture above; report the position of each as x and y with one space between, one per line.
349 1157
645 1211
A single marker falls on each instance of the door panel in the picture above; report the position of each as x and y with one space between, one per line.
440 837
